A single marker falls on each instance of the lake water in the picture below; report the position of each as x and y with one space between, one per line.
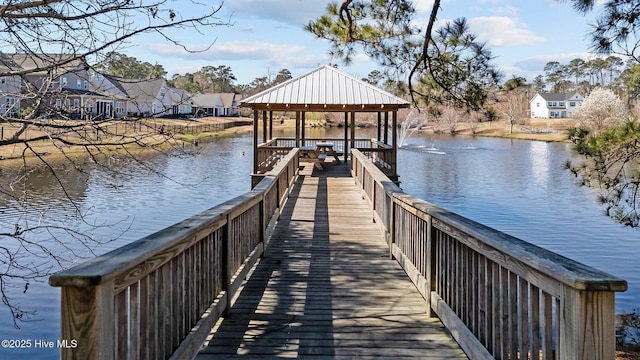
519 187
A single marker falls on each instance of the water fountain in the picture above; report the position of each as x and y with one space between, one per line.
414 121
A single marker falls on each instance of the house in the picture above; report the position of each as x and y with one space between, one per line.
216 104
75 91
551 105
63 77
181 101
9 89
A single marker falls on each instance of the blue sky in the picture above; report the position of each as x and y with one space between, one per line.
268 35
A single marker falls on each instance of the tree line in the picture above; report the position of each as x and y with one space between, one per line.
209 79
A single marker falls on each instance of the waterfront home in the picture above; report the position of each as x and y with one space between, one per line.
552 105
216 104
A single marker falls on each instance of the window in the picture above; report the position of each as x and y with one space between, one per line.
76 103
119 107
572 103
86 85
63 81
67 103
78 84
561 103
3 79
58 103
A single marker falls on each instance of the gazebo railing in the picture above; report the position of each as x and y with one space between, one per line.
269 153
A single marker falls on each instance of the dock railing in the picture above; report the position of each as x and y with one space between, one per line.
159 297
499 296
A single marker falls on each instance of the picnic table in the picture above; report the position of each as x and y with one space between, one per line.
327 149
310 154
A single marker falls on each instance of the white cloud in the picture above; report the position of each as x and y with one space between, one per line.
500 31
231 50
298 12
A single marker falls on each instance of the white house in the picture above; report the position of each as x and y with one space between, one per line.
549 105
216 104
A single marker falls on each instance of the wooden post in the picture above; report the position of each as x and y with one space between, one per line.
394 142
264 126
297 128
270 125
353 129
87 318
430 262
346 136
302 127
587 324
392 225
379 126
255 141
386 128
227 263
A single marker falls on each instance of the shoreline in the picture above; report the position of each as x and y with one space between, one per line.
547 130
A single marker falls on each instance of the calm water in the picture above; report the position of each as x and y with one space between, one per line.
522 188
519 187
136 206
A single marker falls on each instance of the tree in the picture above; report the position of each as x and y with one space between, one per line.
611 164
185 82
514 101
374 78
443 66
615 29
44 44
121 65
219 77
283 75
600 110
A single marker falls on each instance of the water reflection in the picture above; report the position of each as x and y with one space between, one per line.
519 187
148 199
523 188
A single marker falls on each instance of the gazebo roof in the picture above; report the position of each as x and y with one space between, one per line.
324 89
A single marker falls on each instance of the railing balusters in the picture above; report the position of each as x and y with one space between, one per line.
144 299
508 293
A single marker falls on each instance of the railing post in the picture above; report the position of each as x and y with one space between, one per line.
392 225
87 322
264 222
430 262
587 324
227 263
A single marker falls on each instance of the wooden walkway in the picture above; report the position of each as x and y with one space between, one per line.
326 288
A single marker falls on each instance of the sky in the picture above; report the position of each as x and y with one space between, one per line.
268 35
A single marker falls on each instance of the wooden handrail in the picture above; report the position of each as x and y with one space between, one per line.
500 297
159 296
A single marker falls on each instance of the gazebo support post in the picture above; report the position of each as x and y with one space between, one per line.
297 128
386 127
353 129
394 147
302 128
270 125
379 125
264 126
255 141
346 136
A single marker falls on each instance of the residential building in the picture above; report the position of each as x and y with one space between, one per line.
551 105
75 91
216 104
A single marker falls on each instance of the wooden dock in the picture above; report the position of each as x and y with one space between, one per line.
326 287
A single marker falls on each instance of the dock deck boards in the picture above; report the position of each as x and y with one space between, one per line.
326 288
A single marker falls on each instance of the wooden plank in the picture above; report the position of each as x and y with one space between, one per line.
325 286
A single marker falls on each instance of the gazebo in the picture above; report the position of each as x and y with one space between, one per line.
325 89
